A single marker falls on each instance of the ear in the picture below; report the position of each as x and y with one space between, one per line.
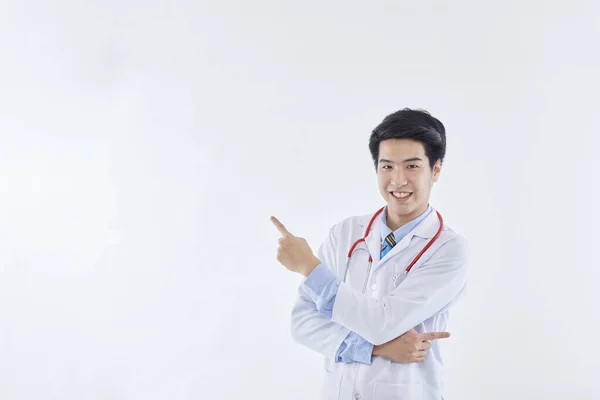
437 169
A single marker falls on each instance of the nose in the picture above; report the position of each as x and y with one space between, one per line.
398 178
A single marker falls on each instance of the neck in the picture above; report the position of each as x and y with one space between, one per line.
394 221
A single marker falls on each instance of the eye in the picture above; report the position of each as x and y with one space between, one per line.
412 166
386 167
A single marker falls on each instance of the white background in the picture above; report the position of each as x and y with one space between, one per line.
139 137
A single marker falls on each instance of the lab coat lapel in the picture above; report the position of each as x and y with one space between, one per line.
401 245
426 229
373 240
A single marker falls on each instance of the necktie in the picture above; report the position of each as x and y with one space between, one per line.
388 243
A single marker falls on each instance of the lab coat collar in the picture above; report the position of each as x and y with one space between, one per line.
426 229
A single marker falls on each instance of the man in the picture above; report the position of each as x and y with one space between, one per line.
374 320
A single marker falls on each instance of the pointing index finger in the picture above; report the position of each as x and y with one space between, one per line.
282 229
435 335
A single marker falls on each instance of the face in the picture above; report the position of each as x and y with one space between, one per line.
405 179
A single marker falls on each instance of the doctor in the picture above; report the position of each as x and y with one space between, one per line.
381 286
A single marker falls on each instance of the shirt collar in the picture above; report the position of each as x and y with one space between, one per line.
404 229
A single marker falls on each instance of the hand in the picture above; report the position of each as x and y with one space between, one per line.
294 253
408 348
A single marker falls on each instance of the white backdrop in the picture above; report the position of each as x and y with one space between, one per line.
138 137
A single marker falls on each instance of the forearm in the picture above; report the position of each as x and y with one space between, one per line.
381 320
319 333
426 291
376 320
313 330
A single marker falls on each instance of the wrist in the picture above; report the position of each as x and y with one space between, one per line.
376 350
311 267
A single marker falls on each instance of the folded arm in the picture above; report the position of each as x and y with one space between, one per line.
425 292
314 329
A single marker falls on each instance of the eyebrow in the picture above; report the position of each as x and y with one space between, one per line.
383 160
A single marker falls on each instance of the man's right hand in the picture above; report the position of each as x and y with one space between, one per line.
408 348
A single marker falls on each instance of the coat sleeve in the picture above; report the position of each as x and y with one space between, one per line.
308 326
425 292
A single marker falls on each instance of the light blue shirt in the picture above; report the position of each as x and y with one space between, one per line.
322 286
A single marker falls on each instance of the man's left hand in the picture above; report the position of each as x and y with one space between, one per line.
294 253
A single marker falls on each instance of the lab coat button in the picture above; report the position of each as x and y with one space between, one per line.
356 396
374 286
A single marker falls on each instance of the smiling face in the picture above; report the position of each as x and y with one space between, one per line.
405 179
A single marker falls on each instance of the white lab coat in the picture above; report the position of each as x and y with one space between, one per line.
382 304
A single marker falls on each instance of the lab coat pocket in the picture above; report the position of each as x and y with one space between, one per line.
397 391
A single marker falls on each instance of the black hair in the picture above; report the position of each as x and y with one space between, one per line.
417 125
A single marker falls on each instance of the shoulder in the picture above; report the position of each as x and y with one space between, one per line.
349 224
454 243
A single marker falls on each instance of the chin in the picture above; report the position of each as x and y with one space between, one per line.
401 209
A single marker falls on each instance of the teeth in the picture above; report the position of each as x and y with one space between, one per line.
401 194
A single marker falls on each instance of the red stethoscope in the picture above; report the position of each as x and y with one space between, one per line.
428 245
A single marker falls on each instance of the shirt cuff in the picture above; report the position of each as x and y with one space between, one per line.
363 351
355 349
320 278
